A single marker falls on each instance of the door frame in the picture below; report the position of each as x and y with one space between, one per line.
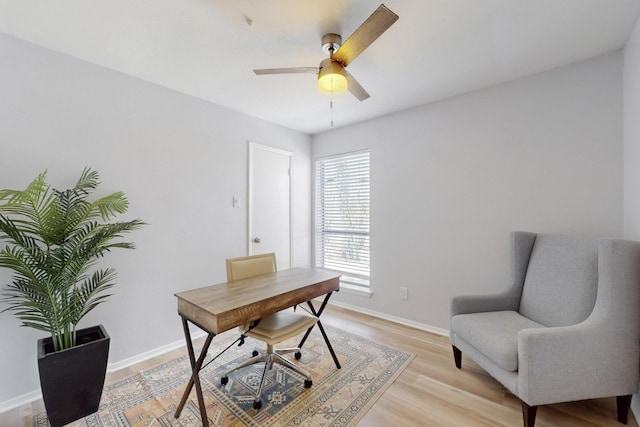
253 146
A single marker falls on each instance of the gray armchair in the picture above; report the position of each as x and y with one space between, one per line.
568 327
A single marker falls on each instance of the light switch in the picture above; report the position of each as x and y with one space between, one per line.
236 201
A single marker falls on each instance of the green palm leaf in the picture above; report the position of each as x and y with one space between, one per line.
53 239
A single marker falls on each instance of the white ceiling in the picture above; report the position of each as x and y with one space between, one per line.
208 48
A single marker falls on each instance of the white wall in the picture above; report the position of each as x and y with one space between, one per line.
632 136
177 158
631 79
450 180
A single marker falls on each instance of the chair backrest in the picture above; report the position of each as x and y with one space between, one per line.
250 266
561 283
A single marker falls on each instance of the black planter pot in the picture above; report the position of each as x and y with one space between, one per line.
72 380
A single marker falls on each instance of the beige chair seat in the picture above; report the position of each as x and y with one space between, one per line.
281 326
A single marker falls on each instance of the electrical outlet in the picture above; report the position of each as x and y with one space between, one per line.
404 293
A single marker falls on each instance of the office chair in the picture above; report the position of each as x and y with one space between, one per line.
273 329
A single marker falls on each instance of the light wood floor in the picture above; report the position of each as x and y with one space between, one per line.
430 391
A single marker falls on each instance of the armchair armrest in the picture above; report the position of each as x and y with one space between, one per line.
482 303
577 362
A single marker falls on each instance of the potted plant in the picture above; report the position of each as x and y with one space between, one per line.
52 243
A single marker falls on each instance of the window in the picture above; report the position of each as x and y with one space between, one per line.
342 216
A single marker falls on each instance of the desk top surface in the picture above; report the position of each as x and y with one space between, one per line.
223 306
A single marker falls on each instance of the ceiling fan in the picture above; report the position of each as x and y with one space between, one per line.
332 76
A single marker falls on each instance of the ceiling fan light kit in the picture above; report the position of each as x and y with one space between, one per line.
333 78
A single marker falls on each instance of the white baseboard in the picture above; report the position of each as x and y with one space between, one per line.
151 353
30 397
19 401
396 319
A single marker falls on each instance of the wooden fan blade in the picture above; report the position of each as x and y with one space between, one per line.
355 88
293 70
365 34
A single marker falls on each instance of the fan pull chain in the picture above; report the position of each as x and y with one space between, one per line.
331 108
331 99
331 51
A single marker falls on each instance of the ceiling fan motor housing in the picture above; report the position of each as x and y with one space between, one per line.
331 43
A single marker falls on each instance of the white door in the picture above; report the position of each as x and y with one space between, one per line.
270 202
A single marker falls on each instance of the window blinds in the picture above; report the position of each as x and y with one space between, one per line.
342 214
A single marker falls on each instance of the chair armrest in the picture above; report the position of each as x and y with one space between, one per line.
482 303
578 362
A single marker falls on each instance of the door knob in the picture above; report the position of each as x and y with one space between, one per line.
256 240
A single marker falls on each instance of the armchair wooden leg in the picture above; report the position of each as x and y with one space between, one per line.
529 415
624 404
457 356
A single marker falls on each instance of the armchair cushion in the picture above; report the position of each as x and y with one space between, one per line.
562 280
494 334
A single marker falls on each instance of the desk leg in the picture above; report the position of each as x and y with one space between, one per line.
196 365
324 334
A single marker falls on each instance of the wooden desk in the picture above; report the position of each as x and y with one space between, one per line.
221 307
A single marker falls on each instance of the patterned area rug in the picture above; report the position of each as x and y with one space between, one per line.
338 397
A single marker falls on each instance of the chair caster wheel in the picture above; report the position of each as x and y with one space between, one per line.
308 383
255 353
298 355
257 404
224 380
